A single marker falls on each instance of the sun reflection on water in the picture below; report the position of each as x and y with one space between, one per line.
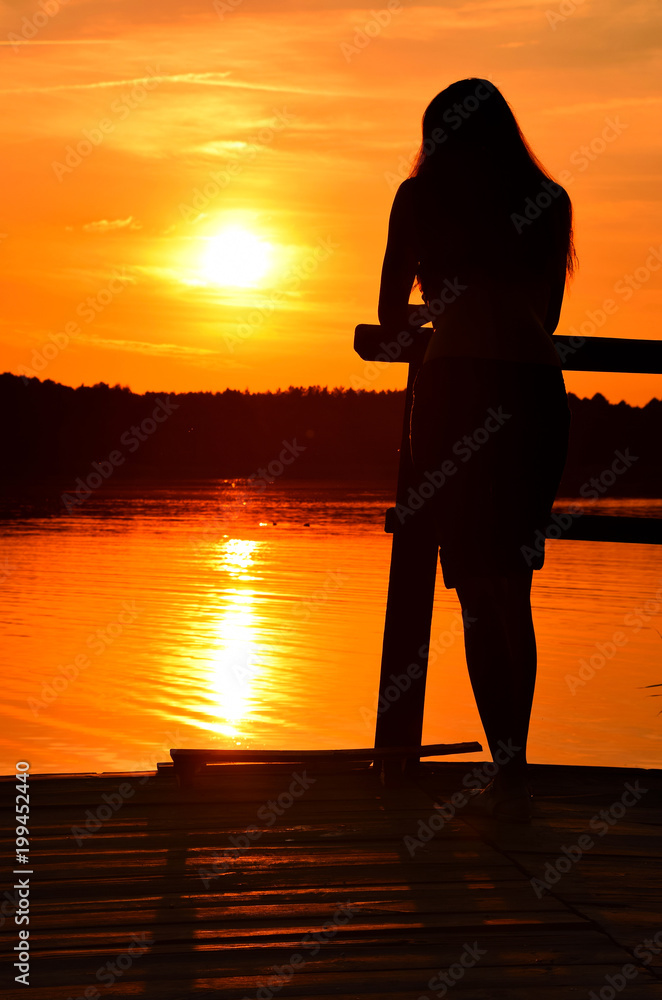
233 664
237 556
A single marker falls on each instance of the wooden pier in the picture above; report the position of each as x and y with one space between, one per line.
350 874
220 890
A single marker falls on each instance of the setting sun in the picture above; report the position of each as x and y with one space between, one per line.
236 257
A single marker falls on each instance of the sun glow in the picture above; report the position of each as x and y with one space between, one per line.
236 257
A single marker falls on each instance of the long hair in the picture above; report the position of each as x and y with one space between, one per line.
483 196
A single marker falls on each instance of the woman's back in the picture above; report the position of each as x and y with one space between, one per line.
488 292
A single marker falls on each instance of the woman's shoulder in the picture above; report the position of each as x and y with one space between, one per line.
407 188
409 197
405 200
556 192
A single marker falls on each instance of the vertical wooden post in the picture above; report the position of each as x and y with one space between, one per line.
409 602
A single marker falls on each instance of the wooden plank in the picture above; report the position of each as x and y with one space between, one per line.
290 932
261 878
272 857
368 982
159 886
304 756
609 354
583 945
614 528
596 528
491 900
292 895
165 989
579 354
302 826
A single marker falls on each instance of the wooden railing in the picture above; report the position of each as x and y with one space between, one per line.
414 551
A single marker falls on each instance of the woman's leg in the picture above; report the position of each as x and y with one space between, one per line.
501 655
524 656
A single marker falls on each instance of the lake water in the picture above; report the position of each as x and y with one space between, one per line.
210 615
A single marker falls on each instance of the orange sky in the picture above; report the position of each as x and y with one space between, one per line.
308 133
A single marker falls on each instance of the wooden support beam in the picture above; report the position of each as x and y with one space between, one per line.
577 354
591 527
614 528
409 604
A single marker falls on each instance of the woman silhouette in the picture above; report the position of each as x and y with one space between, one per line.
487 234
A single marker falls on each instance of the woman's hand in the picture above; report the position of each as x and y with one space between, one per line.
418 315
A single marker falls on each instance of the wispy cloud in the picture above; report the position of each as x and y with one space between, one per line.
58 41
615 104
190 79
163 350
106 225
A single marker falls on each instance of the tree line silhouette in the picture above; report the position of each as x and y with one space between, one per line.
56 432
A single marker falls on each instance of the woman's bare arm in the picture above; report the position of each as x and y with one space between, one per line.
399 267
555 303
559 278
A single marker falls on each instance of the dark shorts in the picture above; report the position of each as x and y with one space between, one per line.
489 440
